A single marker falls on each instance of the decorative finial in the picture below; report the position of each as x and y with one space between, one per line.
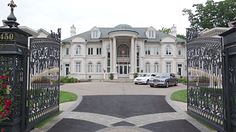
12 16
11 19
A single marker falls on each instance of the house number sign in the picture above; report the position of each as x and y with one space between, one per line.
7 36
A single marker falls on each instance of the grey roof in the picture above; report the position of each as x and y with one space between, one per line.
141 31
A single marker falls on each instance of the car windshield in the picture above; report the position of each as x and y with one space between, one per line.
143 75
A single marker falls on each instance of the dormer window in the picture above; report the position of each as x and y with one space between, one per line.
151 33
95 33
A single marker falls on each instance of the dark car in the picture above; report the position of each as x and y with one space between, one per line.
165 80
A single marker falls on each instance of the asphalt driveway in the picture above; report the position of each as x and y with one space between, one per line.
123 107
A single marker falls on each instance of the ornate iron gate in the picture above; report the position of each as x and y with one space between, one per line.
205 90
29 76
43 90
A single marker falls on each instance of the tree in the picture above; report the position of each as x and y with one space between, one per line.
180 36
168 30
211 14
165 30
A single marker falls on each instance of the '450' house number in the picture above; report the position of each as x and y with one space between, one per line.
5 36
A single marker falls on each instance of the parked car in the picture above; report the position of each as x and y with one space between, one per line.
165 80
144 78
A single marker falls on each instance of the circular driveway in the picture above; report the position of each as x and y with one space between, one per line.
125 107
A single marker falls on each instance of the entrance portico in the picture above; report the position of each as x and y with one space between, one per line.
123 55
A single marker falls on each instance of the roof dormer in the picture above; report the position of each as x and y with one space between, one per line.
95 33
151 32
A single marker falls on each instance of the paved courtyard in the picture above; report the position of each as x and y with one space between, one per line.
122 107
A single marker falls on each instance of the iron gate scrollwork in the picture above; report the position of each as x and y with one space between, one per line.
205 90
43 90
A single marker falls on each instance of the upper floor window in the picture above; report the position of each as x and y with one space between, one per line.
95 33
168 50
179 51
147 51
156 51
67 51
90 67
99 51
151 33
90 51
78 50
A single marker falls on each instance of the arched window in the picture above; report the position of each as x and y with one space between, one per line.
147 67
123 50
99 67
90 67
78 50
156 67
168 50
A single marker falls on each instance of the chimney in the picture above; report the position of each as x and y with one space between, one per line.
72 30
173 31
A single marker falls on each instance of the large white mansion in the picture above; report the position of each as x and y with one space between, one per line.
122 50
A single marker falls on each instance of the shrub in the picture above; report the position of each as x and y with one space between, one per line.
68 80
182 80
111 76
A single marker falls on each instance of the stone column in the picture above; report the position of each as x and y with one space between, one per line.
114 55
132 64
135 56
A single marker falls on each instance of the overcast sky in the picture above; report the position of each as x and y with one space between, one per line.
85 14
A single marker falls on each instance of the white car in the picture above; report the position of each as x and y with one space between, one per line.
144 78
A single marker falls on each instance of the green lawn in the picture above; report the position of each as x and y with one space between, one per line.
67 97
180 95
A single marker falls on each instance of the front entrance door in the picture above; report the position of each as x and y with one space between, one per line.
123 70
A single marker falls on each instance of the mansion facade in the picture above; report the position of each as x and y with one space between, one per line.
122 50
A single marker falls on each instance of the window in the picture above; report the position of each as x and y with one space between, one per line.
156 51
108 62
67 51
147 67
151 33
90 67
168 67
78 66
147 51
95 33
99 67
90 51
156 67
168 50
179 52
78 50
99 51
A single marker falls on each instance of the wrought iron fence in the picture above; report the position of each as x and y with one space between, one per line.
205 90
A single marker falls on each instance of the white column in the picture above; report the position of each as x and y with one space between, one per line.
135 57
132 56
114 55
